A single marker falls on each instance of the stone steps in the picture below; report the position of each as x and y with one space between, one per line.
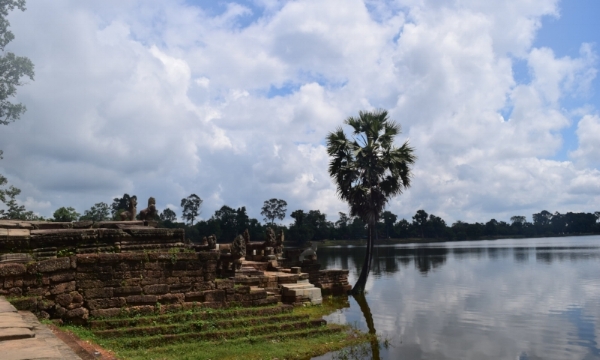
208 325
204 314
23 337
301 292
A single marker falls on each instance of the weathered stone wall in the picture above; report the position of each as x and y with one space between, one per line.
72 288
333 282
48 239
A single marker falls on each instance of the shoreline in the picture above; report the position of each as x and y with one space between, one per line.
362 242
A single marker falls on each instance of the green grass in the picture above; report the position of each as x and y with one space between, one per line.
238 333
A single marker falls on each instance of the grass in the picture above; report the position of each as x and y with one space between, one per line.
238 333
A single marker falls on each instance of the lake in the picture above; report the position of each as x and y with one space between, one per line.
521 299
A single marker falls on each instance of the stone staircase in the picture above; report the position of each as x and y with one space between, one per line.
290 286
23 337
300 293
277 321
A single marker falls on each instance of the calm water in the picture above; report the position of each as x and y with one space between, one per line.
503 299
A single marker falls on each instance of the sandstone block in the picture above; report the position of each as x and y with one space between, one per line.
35 291
214 296
106 312
12 269
79 313
64 299
62 288
141 299
156 289
127 290
63 277
195 296
76 297
224 284
180 288
97 304
171 298
98 293
89 284
50 265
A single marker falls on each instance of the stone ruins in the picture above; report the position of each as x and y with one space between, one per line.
72 270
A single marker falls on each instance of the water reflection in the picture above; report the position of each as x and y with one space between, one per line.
366 311
504 299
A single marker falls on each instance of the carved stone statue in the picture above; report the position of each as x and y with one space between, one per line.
212 242
129 215
149 213
246 237
310 253
270 240
279 244
238 247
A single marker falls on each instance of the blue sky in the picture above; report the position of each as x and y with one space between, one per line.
233 100
577 24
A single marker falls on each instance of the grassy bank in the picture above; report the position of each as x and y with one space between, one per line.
235 333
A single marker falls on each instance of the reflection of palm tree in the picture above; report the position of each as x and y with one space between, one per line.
368 170
364 307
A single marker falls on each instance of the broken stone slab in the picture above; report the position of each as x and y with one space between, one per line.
117 224
16 258
5 306
47 225
15 333
15 224
13 320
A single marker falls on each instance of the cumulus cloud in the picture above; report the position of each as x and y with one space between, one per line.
233 104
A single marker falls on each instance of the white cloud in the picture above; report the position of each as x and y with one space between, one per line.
588 132
166 100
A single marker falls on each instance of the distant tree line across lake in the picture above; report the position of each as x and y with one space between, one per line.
312 225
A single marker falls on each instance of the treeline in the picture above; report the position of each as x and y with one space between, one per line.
313 225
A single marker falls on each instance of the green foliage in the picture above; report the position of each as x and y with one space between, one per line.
13 209
191 206
368 170
99 212
168 215
274 209
64 214
241 330
121 204
65 252
12 67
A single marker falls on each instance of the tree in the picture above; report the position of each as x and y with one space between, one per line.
121 204
342 226
64 214
14 210
168 215
274 209
12 67
191 207
99 212
300 231
420 221
542 218
226 217
388 221
369 170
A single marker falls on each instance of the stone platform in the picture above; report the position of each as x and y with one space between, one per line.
22 337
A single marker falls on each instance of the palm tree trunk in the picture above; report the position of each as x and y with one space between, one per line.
360 285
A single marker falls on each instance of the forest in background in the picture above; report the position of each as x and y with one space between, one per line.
312 225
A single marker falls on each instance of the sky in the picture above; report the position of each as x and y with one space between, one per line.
232 101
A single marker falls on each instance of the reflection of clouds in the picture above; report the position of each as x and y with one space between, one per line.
495 302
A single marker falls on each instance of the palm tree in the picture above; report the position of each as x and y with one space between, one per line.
368 171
